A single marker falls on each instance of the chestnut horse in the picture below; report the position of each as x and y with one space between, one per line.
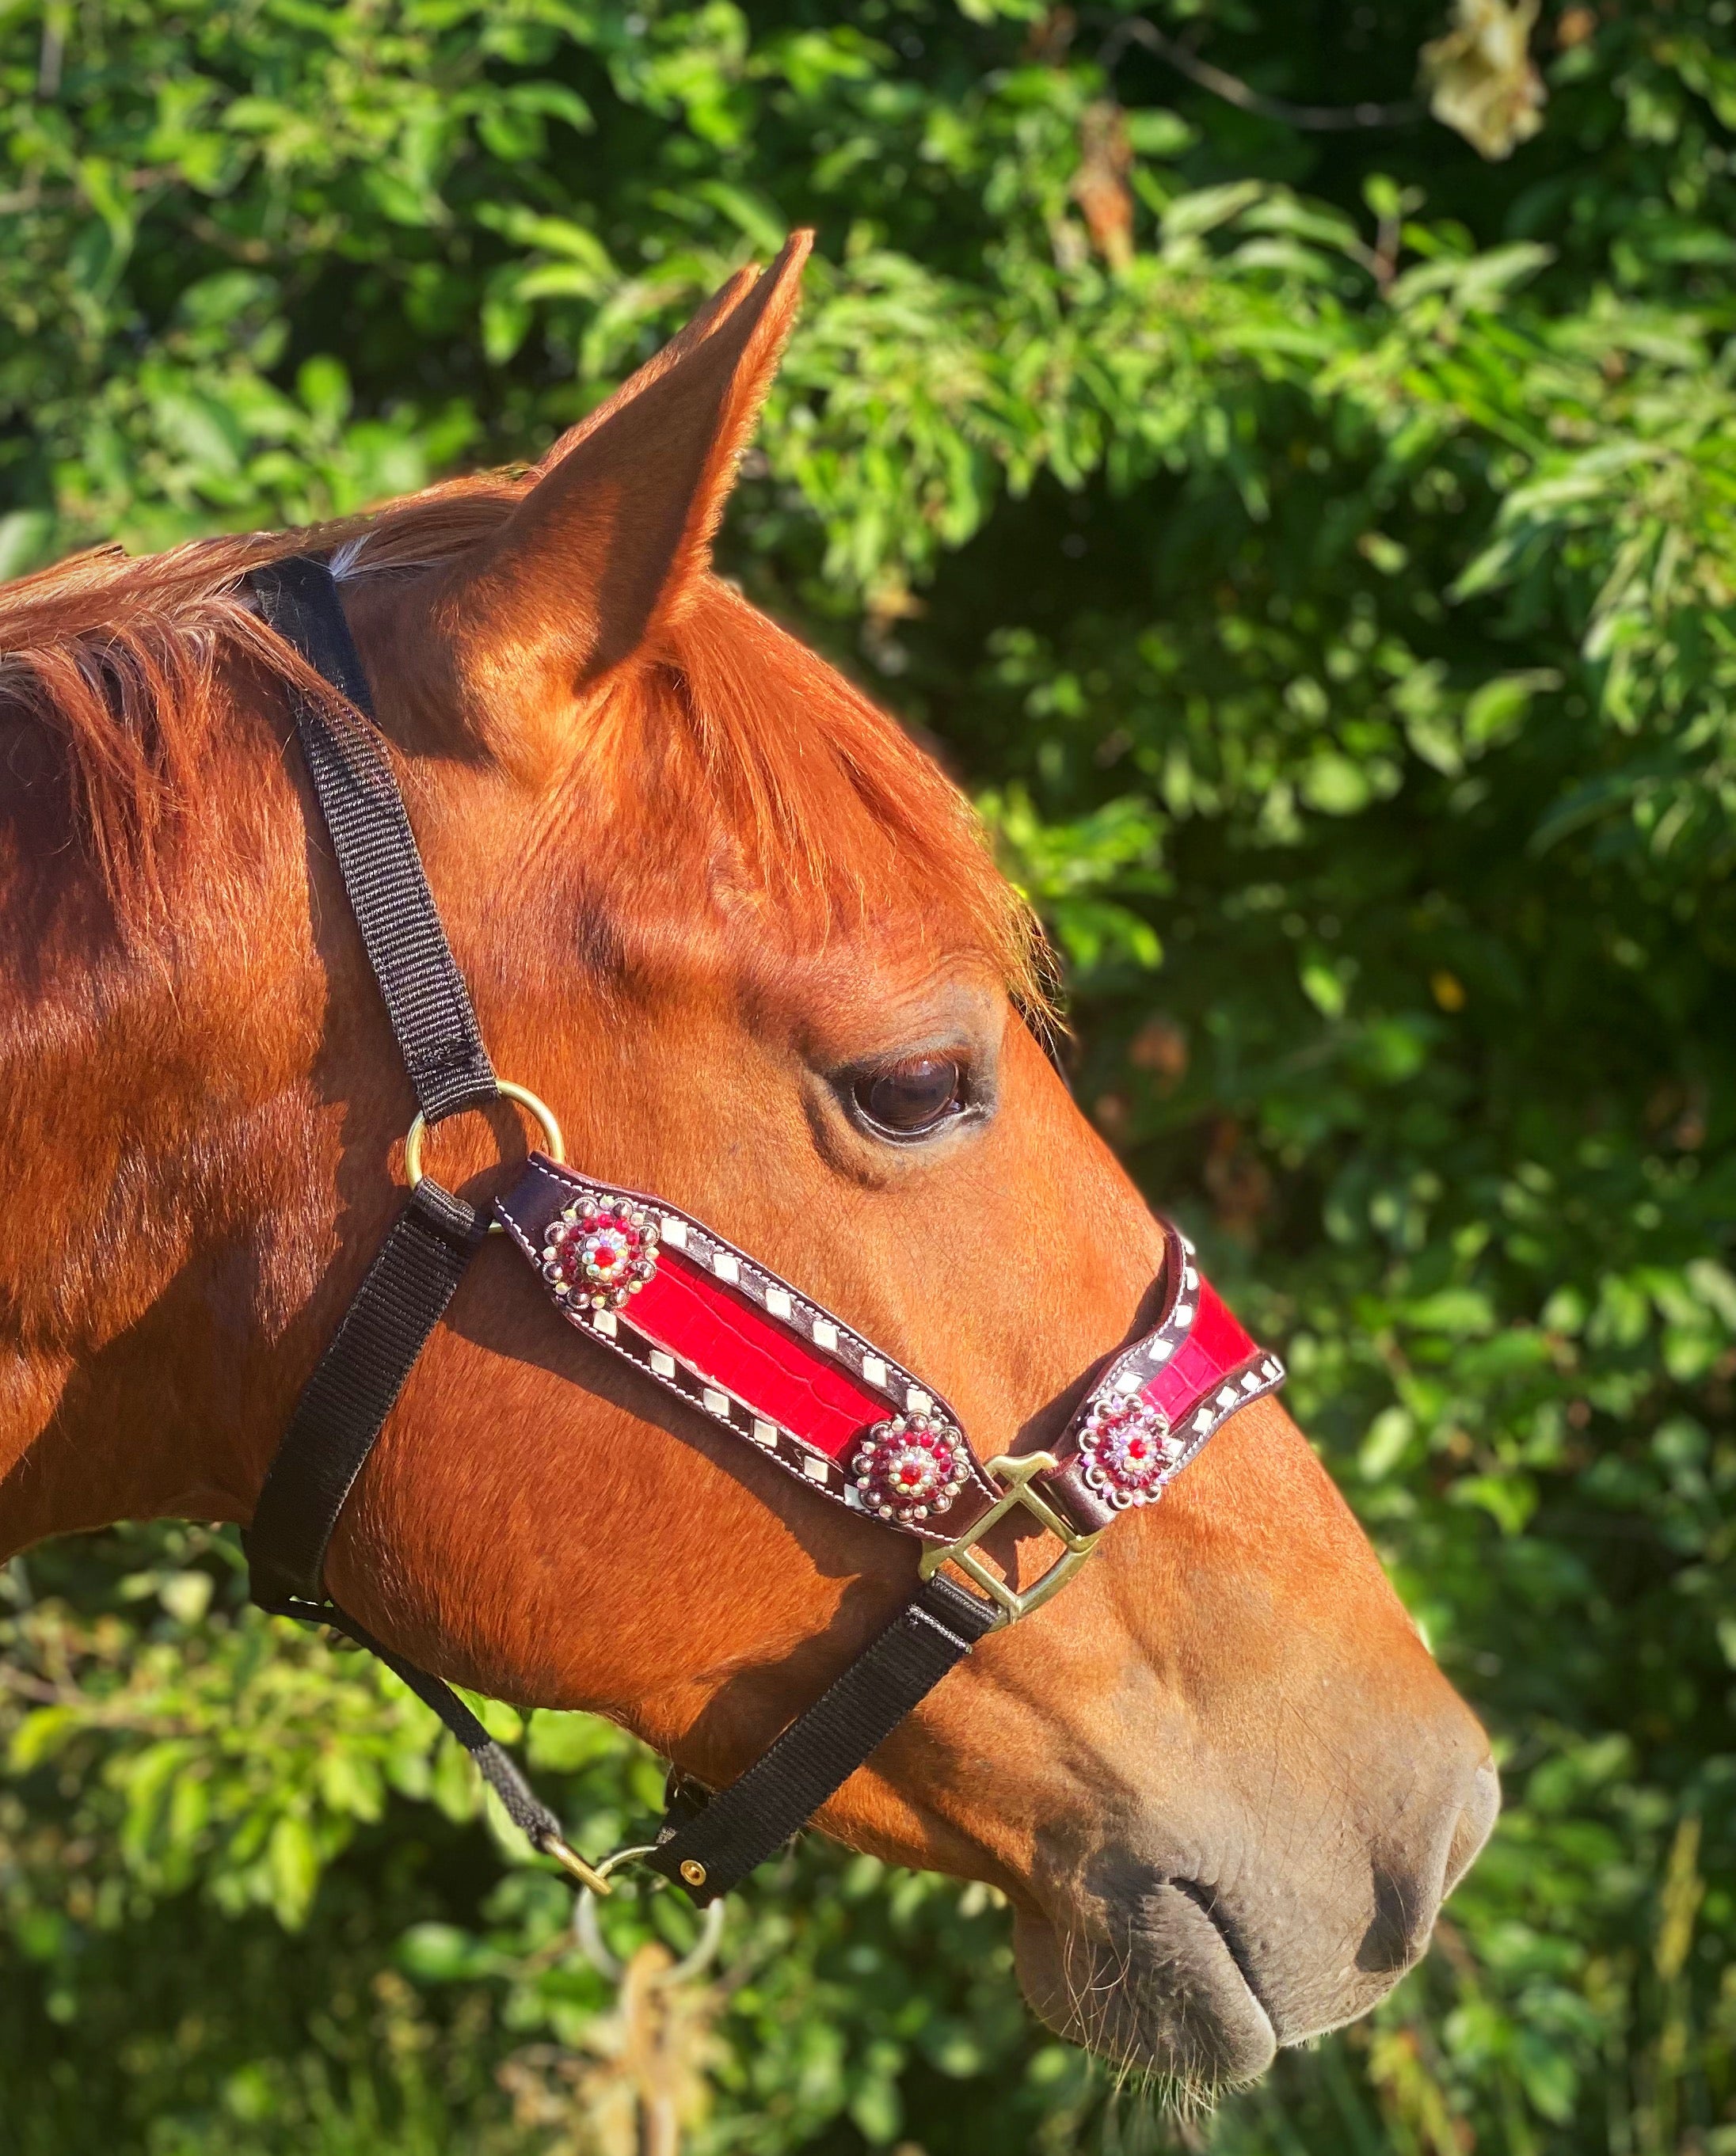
721 912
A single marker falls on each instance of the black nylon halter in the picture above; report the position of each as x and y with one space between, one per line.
707 1844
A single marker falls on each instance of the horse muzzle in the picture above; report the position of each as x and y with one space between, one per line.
1197 1965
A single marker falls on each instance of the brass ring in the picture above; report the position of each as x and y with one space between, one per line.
554 1145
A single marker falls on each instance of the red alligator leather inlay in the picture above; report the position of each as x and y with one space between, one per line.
714 1327
1215 1345
752 1356
734 1340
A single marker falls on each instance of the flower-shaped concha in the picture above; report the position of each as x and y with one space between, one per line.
600 1251
1127 1450
910 1467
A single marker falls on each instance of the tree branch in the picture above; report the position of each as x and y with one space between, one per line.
1233 90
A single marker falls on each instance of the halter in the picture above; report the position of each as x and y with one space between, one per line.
705 1322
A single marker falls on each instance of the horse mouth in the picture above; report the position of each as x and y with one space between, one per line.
1156 1984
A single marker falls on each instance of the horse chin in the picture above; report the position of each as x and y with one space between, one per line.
1167 1998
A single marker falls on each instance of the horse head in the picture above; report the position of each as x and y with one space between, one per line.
742 932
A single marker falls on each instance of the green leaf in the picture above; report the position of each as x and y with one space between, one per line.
1191 216
1325 988
1388 1440
1335 784
40 1735
1509 1500
443 1953
1495 711
323 385
1464 1312
292 1864
24 540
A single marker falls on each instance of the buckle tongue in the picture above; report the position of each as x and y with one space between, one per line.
1015 1472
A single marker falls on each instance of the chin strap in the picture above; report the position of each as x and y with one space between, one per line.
701 1318
712 1847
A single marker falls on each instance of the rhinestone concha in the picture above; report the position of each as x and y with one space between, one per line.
1127 1451
600 1252
910 1467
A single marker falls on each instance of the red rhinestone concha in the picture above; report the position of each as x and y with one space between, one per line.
910 1467
600 1251
1127 1451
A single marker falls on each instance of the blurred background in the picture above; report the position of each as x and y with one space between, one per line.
1283 458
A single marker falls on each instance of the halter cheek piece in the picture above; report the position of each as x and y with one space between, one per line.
704 1321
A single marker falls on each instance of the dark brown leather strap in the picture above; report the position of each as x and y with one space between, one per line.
747 1349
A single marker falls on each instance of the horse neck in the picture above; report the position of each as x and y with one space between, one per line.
172 1165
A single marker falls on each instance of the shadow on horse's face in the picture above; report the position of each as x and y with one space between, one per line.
743 934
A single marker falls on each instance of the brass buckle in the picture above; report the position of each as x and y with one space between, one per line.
1015 1472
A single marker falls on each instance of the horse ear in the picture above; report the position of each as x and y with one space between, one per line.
617 527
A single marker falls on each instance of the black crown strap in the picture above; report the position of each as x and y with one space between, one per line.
426 999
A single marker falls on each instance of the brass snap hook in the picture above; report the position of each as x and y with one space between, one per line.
588 1933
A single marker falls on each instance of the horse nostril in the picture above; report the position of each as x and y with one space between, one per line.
1398 1928
1475 1823
1406 1901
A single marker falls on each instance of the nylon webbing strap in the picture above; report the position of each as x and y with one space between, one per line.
404 1292
713 1849
344 1404
426 999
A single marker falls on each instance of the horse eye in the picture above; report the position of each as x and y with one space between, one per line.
910 1099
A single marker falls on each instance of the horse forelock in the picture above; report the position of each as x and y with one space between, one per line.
838 827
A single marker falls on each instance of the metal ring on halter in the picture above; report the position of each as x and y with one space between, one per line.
585 1929
553 1144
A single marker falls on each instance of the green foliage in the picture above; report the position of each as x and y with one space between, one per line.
1332 604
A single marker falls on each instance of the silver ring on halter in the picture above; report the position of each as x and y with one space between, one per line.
553 1144
586 1931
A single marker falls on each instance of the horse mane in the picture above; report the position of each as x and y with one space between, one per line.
126 663
129 662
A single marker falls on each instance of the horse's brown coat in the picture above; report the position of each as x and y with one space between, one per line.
692 876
